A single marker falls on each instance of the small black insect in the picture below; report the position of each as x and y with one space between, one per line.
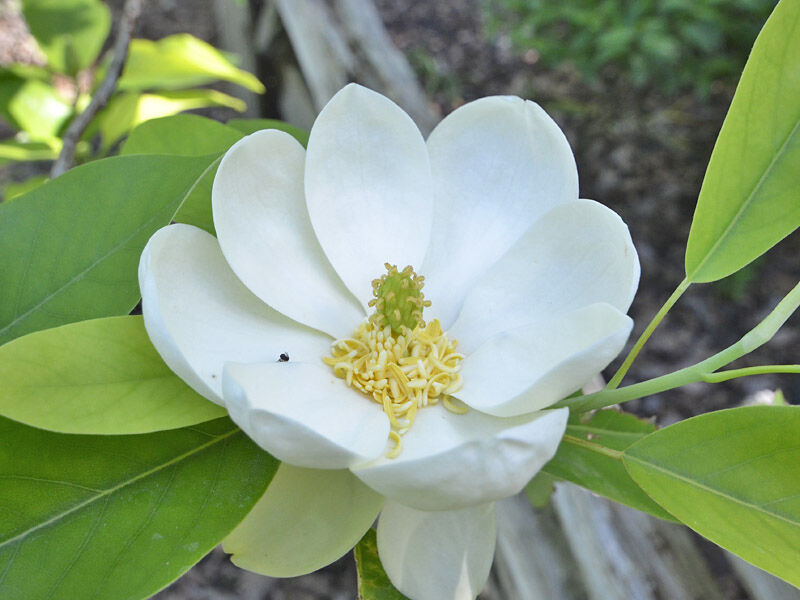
284 357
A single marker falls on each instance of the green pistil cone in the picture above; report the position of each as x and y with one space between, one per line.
398 299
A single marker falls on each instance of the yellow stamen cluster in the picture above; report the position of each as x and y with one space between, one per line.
402 373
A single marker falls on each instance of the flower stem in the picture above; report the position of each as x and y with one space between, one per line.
620 374
704 370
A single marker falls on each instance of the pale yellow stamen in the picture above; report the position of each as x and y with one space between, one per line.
401 373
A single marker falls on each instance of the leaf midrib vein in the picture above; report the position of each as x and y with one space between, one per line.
119 486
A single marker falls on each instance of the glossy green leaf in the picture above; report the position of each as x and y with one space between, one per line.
180 61
32 106
186 135
118 517
248 126
734 477
307 519
128 110
373 583
98 377
590 455
69 32
749 200
70 248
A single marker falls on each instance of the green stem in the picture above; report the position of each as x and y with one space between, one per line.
747 371
704 370
620 374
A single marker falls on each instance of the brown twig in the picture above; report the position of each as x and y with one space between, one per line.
66 158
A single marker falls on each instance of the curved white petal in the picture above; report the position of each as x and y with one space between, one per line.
199 315
305 520
302 414
266 236
368 187
451 461
498 164
577 254
443 555
530 368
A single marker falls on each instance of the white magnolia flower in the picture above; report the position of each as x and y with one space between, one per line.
532 282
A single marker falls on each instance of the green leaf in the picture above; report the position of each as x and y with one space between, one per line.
186 135
307 519
181 135
749 200
540 488
126 111
180 61
248 126
97 377
373 583
734 477
32 106
13 151
13 190
69 32
590 455
70 248
119 516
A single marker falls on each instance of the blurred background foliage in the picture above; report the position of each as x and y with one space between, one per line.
39 99
670 44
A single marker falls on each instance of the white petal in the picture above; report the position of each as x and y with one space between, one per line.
305 520
368 187
498 164
530 368
451 461
199 315
264 231
443 555
577 254
302 414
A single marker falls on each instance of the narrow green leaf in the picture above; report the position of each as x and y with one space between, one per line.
590 456
373 583
186 135
96 377
126 111
180 61
70 248
749 200
248 126
734 477
540 488
307 519
69 32
119 516
13 151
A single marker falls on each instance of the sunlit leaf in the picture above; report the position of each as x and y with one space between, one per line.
590 456
180 61
734 477
101 376
126 111
13 190
32 106
69 32
69 250
749 200
373 583
14 151
118 517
